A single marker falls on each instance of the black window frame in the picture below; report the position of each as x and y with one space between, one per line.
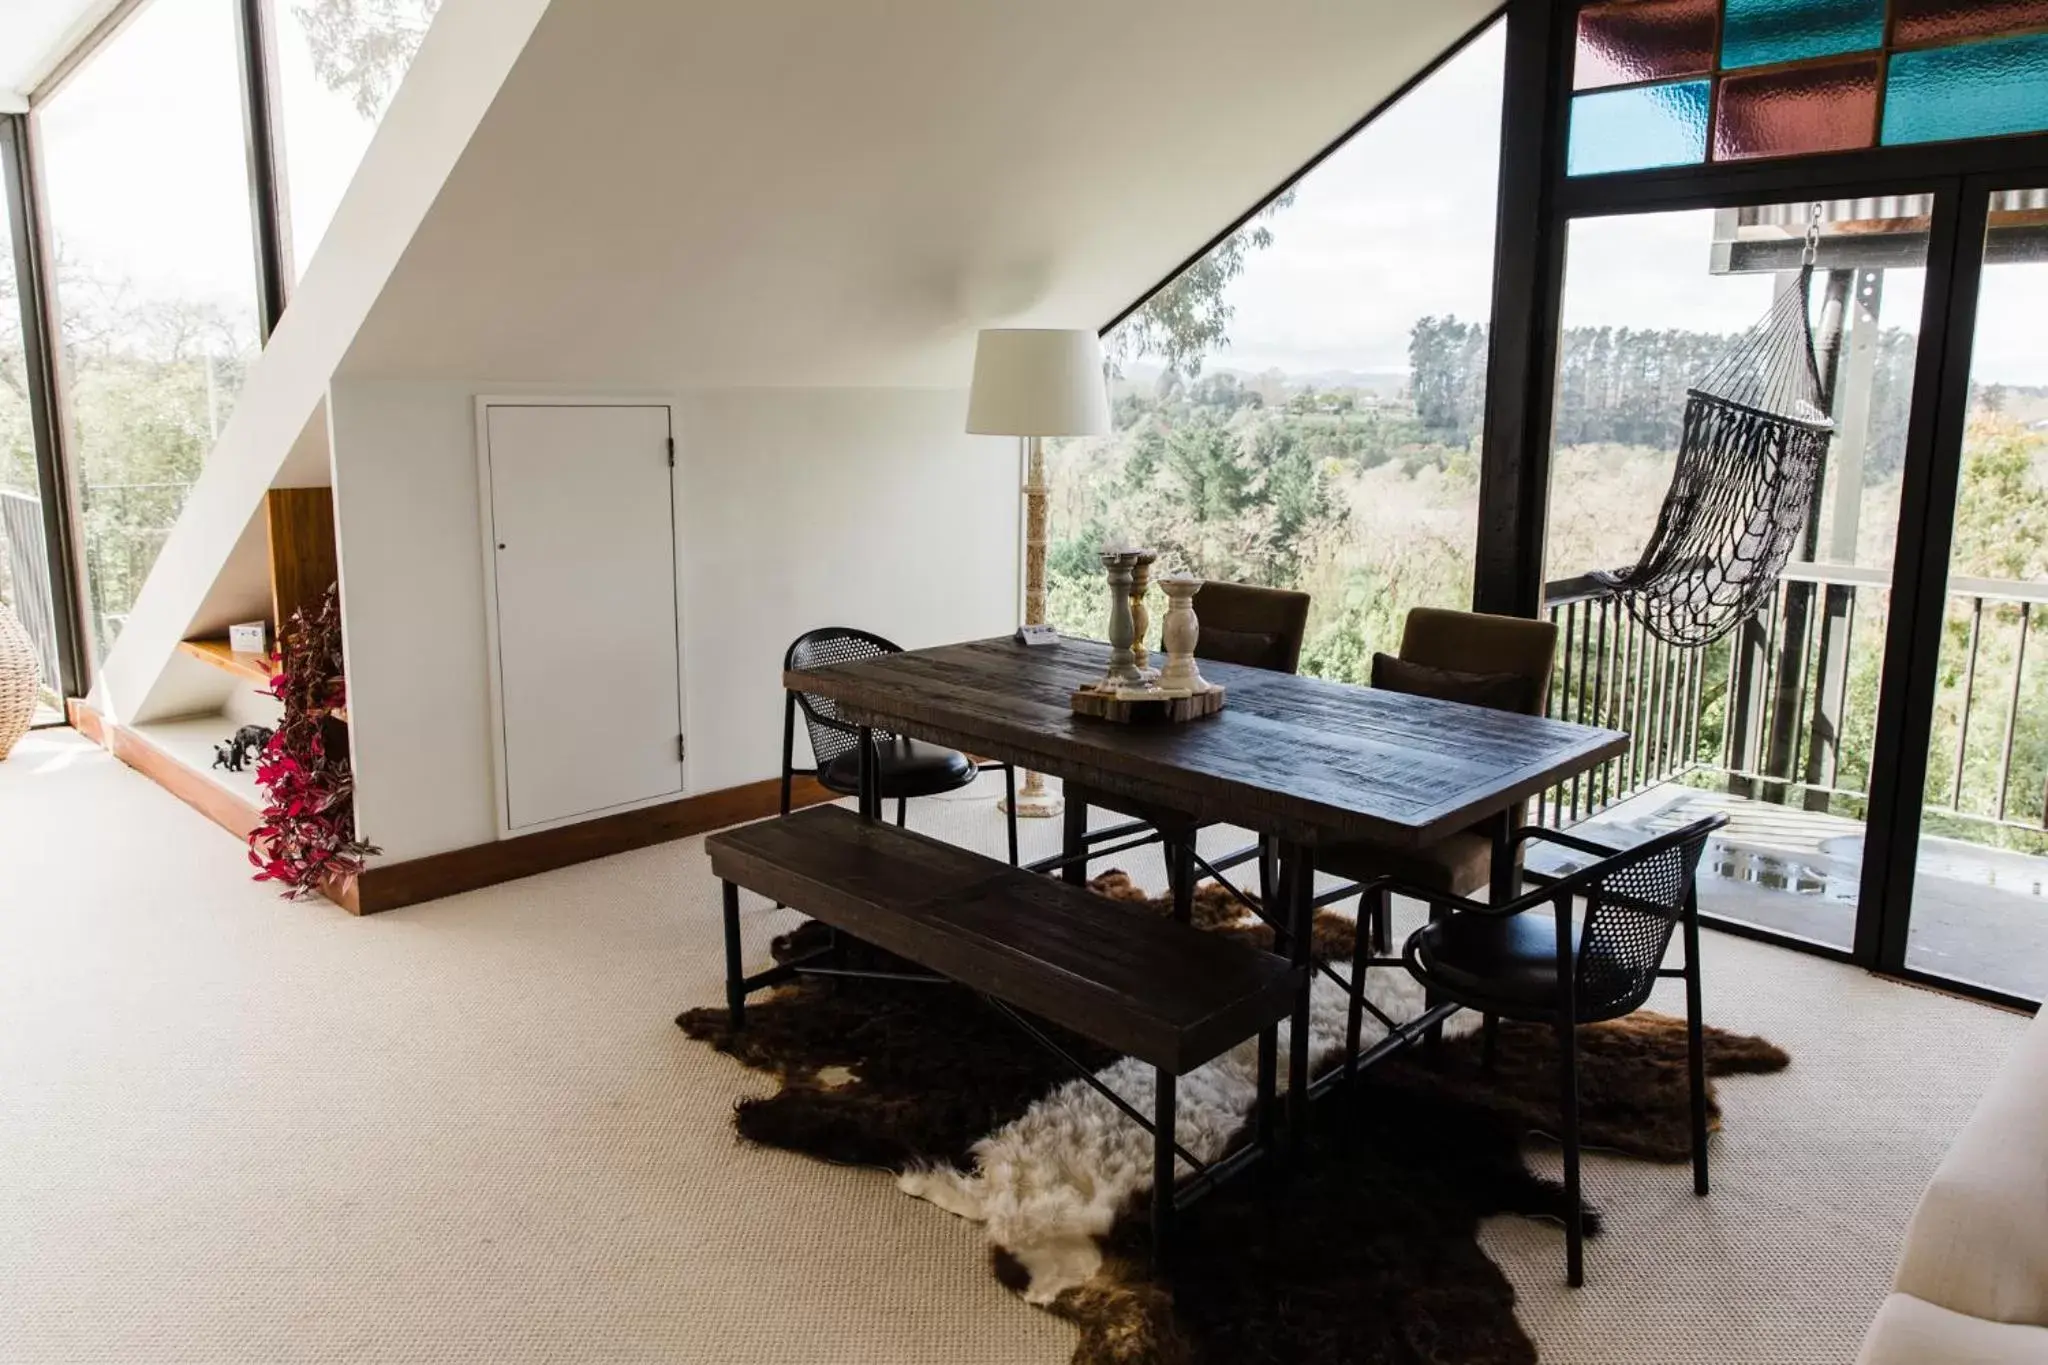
1539 201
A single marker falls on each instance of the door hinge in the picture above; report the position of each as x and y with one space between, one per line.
671 452
682 748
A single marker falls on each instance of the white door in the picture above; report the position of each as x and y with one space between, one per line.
582 547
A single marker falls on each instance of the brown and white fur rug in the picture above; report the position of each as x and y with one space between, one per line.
1369 1253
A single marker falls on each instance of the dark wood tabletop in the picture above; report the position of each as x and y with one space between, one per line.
1303 759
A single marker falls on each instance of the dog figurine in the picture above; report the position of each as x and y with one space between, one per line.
234 755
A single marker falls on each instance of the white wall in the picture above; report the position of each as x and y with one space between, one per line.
795 508
273 436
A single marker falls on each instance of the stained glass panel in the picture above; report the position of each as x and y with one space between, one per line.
1766 32
1632 130
1916 22
1644 40
1974 90
1829 107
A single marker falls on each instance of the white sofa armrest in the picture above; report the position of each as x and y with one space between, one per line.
1910 1331
1978 1243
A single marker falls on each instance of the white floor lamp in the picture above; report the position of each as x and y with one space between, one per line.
1034 383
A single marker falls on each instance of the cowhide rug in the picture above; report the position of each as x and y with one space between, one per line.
1369 1254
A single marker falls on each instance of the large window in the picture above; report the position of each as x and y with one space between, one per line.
338 63
148 202
1302 407
24 563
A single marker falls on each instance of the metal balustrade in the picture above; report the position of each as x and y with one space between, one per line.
26 565
1784 709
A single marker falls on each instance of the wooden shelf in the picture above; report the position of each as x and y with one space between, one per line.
256 668
259 668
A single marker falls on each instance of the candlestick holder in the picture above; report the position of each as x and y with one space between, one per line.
1179 634
1178 692
1119 566
1141 615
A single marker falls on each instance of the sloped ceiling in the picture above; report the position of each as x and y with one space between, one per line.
681 193
36 34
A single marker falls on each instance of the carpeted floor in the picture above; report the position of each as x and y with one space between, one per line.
238 1130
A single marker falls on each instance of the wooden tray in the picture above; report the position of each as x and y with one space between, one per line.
1147 710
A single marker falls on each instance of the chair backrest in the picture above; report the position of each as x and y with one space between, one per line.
1475 642
831 736
1256 627
1633 902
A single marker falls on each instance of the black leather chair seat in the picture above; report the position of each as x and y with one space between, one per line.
1496 962
906 768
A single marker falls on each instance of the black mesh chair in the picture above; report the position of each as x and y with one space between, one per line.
905 767
1538 958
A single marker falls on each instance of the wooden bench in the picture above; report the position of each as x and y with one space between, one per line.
1162 992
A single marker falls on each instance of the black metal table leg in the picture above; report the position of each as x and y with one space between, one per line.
1074 839
1269 1086
1180 876
1506 875
1297 886
735 979
870 800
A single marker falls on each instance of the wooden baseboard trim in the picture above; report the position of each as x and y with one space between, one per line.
387 886
195 789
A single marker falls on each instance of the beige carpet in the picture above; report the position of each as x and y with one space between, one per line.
233 1129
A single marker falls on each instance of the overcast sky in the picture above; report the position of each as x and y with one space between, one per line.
154 119
1399 224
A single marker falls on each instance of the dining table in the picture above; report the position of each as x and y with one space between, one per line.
1307 762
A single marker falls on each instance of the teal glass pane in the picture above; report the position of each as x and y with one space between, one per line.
1974 90
1632 130
1762 32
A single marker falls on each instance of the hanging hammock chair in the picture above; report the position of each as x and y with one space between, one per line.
1755 438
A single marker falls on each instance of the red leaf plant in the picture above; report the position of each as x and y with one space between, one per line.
307 838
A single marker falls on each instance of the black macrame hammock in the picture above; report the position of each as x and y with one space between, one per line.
1756 437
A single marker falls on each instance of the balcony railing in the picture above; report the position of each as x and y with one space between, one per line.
25 576
1784 709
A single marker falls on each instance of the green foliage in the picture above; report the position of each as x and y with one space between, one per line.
361 48
1623 386
1188 318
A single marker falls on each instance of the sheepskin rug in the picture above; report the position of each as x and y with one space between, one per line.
1369 1253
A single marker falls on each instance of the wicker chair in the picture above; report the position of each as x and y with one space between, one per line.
18 674
1240 624
906 768
1524 960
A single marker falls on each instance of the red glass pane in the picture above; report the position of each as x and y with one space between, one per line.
1944 21
1826 108
1624 41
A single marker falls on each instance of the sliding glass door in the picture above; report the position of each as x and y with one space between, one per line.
1875 725
1770 721
1979 906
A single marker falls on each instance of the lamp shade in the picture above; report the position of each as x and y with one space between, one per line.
1036 381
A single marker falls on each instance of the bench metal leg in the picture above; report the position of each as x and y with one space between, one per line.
735 979
1163 1105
